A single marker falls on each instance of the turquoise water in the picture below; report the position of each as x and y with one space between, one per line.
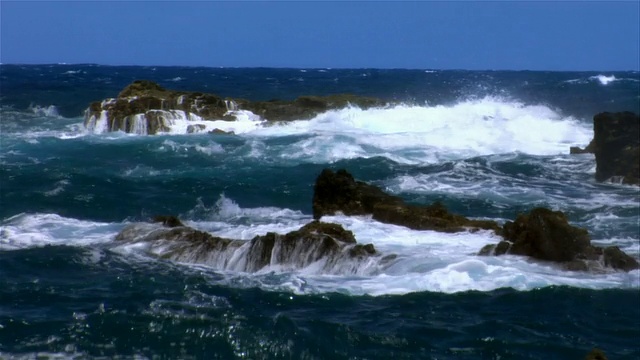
486 144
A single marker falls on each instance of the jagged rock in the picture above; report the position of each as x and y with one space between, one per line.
314 242
167 220
339 192
618 259
547 235
145 107
616 146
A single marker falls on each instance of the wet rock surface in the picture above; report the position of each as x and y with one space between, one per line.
339 192
148 105
616 146
546 235
314 242
541 234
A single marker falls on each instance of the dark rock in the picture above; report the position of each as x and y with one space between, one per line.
492 249
616 146
339 192
596 354
547 235
217 131
167 220
147 102
577 150
306 107
618 259
297 249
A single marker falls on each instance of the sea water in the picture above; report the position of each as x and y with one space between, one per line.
487 144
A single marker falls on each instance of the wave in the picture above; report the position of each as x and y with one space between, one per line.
428 134
44 111
424 260
36 230
406 134
600 79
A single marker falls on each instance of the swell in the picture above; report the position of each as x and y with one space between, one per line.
62 313
72 87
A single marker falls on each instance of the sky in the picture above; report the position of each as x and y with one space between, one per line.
473 35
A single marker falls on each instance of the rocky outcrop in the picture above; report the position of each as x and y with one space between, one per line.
541 234
616 146
332 247
547 235
339 192
145 107
306 107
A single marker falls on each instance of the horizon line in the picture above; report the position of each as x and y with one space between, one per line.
306 68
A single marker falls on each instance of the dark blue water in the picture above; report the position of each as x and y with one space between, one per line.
486 144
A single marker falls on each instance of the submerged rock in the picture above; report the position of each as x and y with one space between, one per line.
145 107
616 146
339 192
547 235
596 354
332 248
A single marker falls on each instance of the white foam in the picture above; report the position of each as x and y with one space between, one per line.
44 111
427 134
35 230
426 260
178 122
98 124
604 79
210 148
59 188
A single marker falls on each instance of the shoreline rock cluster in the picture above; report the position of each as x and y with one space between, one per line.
541 234
297 249
147 102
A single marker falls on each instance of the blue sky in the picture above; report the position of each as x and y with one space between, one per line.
515 35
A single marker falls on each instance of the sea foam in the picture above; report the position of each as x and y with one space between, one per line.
428 134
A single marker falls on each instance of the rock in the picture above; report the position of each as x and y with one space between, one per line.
167 220
615 258
616 146
339 192
596 354
217 131
145 107
547 235
192 129
307 107
333 247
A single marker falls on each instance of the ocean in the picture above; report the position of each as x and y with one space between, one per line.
487 144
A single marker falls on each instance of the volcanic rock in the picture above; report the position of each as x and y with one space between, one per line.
546 235
616 146
315 242
145 107
339 192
